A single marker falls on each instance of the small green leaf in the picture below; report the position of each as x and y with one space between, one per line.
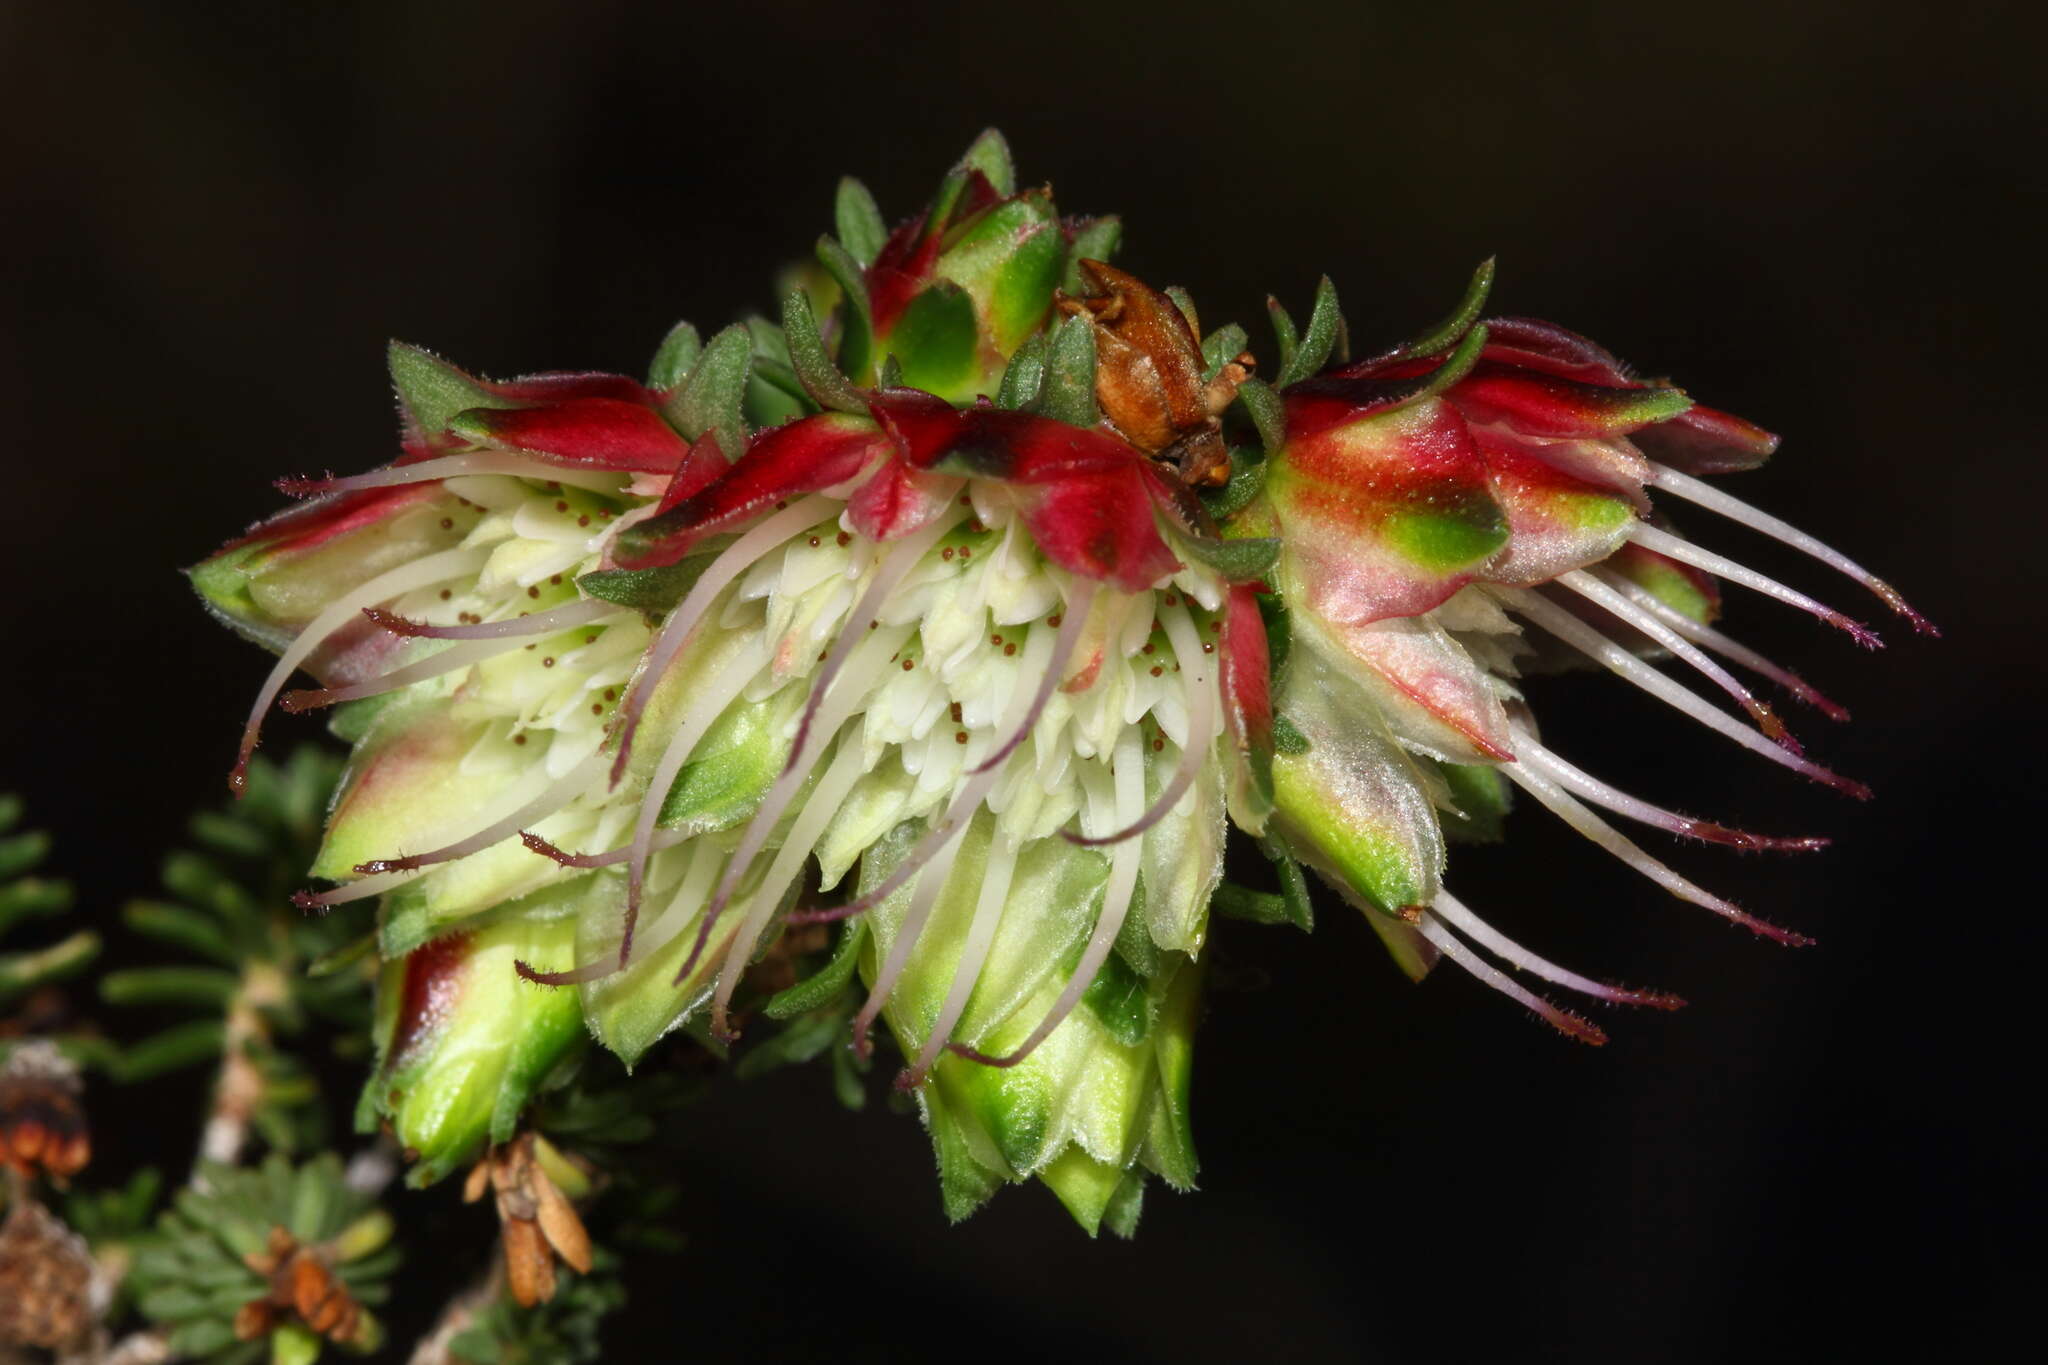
1287 737
432 391
1457 367
847 1083
1117 1000
990 155
1313 351
674 358
22 852
1293 884
32 898
717 385
182 1046
1220 347
1447 333
1240 561
207 986
814 368
1241 902
825 985
857 218
1266 411
224 832
1186 303
804 1038
342 958
1120 1214
1095 240
1069 391
182 927
21 972
1482 797
1247 478
856 314
1025 375
1287 337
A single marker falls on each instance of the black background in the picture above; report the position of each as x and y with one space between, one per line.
1824 217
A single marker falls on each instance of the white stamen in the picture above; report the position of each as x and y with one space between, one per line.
1598 593
877 649
421 573
1129 766
1598 647
673 920
455 657
1449 944
733 561
1200 695
1515 955
901 559
1708 637
1526 776
1713 499
536 623
1048 663
453 466
826 797
981 938
707 705
1685 552
1621 803
551 798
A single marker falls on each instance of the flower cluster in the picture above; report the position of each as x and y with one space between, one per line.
968 620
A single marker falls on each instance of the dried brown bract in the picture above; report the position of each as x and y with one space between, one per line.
45 1280
42 1125
302 1283
536 1219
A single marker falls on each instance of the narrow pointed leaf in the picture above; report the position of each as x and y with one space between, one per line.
814 368
858 221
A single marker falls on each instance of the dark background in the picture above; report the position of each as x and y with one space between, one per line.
1824 217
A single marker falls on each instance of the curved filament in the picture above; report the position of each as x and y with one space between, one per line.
844 771
421 573
455 466
1585 785
1606 598
733 561
1560 804
1685 552
1604 651
981 937
1129 770
1201 712
551 798
1734 651
548 622
1714 500
1515 955
1449 944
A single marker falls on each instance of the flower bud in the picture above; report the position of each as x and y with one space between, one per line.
463 1040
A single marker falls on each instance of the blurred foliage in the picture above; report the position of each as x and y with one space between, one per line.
252 1259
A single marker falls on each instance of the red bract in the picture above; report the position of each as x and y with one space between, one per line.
1088 497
